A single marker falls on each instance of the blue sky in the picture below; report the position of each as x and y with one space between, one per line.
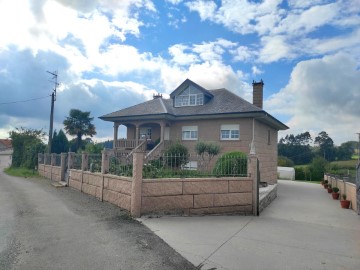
113 54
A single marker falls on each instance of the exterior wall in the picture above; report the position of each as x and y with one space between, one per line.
209 130
344 187
198 196
266 153
5 158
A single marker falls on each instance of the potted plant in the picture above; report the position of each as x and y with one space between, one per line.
329 189
344 202
335 193
322 182
326 184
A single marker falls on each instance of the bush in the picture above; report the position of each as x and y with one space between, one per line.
318 167
335 189
232 163
176 156
302 173
285 162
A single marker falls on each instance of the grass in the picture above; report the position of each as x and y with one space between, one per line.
21 172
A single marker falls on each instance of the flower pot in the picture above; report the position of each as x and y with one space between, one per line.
345 204
326 186
335 196
329 190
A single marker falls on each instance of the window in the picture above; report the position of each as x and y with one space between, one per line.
230 132
269 137
189 97
189 133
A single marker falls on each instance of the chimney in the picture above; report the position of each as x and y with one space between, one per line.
158 95
258 93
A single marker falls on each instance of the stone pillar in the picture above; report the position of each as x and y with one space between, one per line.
254 174
105 161
116 128
70 160
84 161
162 130
136 187
137 134
63 167
53 159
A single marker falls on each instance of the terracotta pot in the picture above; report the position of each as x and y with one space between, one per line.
326 186
329 190
345 204
335 196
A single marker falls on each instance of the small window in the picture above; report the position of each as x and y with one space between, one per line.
230 132
189 133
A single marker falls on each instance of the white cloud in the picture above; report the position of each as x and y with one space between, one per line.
322 94
179 55
206 9
275 48
243 54
256 71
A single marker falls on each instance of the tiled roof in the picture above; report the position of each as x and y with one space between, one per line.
223 102
6 143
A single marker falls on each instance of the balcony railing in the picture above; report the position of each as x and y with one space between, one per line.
127 144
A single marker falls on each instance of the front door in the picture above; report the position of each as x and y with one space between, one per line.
145 133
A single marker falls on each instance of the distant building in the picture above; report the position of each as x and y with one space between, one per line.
6 152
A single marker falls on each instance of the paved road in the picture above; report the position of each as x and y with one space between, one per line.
42 227
302 229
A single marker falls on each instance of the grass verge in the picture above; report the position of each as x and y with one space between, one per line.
21 172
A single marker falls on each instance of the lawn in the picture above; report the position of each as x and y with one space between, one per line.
21 172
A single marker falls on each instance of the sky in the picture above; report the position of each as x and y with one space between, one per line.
112 54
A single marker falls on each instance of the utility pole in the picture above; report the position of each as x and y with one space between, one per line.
53 99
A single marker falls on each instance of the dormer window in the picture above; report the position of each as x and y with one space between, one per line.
189 97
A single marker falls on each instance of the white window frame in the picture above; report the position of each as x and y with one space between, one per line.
230 132
189 133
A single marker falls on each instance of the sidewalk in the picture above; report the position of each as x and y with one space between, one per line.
302 229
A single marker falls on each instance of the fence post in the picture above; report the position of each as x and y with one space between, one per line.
253 170
63 167
104 161
136 186
84 167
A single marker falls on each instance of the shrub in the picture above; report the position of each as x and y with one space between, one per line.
232 163
176 156
317 167
335 189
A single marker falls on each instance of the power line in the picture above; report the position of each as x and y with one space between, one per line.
22 101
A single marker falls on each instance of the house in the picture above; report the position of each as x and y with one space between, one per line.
193 113
6 152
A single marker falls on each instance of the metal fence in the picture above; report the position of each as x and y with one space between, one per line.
77 161
47 159
94 164
41 158
345 177
57 160
175 166
120 166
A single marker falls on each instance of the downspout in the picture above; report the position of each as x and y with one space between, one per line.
252 144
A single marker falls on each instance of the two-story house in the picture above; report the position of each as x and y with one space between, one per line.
193 113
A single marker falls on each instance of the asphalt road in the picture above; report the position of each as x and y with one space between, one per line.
43 227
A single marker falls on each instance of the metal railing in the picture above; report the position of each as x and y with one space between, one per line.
175 166
94 163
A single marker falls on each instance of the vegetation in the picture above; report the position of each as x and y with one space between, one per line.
77 124
27 143
285 162
232 163
21 172
59 143
176 155
206 151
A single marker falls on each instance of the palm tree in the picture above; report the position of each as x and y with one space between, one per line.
77 124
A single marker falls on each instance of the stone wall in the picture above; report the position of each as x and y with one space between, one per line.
106 187
50 172
344 187
198 196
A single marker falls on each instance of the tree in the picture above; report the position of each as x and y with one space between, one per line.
296 147
60 143
27 143
345 150
326 145
77 124
206 152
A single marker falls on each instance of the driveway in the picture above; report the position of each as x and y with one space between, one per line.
302 229
42 227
